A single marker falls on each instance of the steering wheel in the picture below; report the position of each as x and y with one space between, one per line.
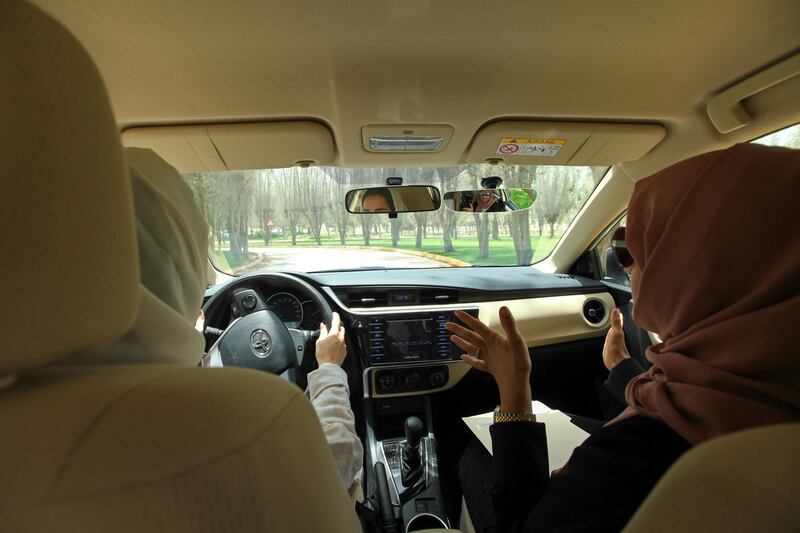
256 338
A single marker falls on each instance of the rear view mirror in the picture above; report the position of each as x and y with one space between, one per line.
490 200
406 199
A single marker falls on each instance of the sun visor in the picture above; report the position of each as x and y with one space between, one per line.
563 143
236 146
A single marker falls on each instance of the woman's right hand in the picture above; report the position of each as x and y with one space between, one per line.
614 349
504 356
331 347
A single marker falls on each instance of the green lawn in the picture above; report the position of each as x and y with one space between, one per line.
501 252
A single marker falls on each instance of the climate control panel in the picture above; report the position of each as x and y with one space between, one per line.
413 379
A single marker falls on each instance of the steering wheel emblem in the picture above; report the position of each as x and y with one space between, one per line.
260 343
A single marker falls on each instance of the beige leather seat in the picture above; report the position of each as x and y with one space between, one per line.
745 481
140 447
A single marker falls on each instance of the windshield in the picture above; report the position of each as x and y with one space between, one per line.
295 218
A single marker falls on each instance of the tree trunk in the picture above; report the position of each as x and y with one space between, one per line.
365 230
447 230
482 229
495 228
519 227
418 241
395 227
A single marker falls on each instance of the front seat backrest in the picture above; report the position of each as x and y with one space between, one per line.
140 447
744 481
70 275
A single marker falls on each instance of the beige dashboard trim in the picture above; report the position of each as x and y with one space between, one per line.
550 320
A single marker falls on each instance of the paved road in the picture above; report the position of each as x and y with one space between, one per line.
309 259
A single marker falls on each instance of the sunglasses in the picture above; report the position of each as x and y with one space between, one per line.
620 249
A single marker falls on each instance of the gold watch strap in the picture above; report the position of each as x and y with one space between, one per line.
505 416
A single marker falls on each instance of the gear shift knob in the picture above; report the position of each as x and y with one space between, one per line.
414 431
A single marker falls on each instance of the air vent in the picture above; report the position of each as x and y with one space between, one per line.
438 296
594 311
367 299
563 276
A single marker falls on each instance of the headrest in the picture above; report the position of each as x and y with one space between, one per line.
172 233
70 265
173 258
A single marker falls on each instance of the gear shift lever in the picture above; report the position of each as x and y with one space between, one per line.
411 469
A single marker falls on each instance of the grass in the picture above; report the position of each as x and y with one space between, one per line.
501 252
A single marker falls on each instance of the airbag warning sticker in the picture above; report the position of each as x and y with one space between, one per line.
534 147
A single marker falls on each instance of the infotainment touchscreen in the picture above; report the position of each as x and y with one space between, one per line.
411 337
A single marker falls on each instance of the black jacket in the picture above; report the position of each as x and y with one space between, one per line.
599 489
619 377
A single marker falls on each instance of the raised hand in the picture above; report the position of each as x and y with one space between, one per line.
614 349
504 356
330 345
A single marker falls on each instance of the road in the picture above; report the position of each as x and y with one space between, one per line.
311 258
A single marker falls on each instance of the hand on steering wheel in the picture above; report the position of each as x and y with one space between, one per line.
331 347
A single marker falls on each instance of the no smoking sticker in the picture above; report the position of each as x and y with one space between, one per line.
530 147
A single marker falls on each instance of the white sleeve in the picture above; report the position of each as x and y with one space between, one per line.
330 396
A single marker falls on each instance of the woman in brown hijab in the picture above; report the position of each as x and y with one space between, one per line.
715 249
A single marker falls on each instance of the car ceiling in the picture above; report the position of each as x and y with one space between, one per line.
350 63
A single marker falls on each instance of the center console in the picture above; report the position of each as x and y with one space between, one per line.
406 355
407 352
405 467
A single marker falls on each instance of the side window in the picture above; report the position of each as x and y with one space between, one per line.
787 137
610 269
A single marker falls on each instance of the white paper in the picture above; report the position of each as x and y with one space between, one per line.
562 435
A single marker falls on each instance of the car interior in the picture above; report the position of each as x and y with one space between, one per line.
424 108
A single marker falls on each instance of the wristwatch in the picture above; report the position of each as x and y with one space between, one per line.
505 416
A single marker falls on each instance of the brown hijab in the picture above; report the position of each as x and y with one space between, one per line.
717 240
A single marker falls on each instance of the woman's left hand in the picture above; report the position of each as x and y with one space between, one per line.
504 356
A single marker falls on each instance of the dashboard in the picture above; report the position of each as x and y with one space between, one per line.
395 318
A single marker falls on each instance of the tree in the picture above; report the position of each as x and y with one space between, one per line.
447 218
495 228
288 185
482 229
313 199
421 220
337 188
235 195
556 186
264 204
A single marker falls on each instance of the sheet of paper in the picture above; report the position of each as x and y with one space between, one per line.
562 435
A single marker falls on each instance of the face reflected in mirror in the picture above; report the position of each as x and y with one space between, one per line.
489 200
486 199
399 199
377 201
